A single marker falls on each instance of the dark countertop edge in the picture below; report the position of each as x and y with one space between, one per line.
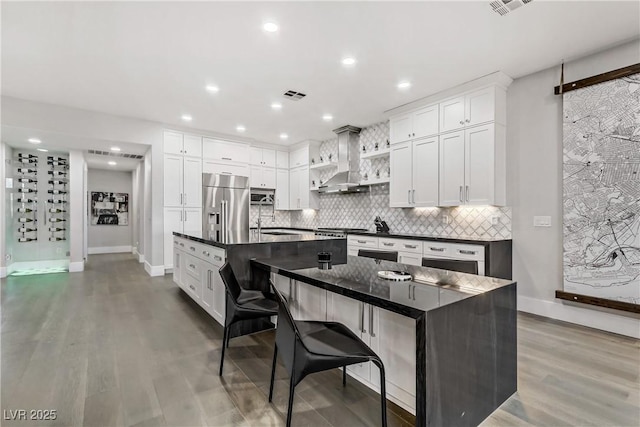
227 245
478 241
378 302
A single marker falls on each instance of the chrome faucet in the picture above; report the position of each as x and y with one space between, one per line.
266 198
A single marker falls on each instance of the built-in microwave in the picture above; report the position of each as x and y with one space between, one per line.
267 197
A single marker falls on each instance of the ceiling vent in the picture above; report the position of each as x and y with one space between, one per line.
502 7
112 154
294 96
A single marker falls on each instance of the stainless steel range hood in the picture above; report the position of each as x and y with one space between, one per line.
347 179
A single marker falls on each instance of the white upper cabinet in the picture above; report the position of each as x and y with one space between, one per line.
282 189
472 166
216 149
262 177
417 124
473 109
414 173
263 157
192 183
299 157
173 178
186 145
282 160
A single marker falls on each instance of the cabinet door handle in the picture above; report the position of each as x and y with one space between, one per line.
461 199
217 258
467 193
182 244
185 217
409 196
411 246
461 122
361 241
373 334
290 292
362 318
387 244
467 120
226 158
185 198
465 252
181 218
413 196
192 266
414 292
436 249
192 248
181 199
205 253
409 135
209 280
191 286
409 294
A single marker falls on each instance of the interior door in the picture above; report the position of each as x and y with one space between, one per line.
425 167
400 182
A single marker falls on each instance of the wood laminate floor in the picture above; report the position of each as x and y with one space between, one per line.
114 347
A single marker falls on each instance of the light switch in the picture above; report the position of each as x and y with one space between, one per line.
542 221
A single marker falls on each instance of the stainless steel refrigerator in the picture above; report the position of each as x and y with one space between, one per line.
225 213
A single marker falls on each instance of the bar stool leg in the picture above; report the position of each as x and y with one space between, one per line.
344 376
273 371
224 343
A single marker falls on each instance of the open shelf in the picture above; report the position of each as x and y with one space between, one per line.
375 181
324 165
375 154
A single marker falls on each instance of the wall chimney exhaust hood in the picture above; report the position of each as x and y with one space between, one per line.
347 179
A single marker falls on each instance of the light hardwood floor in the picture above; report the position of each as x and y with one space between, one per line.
112 346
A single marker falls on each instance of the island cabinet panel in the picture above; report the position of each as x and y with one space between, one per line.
310 302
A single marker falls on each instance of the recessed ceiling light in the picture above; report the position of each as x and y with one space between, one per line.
284 136
115 148
276 106
270 27
240 128
404 85
44 150
327 117
349 61
112 163
187 118
213 88
34 140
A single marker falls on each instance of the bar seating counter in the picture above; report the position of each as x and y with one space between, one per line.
465 328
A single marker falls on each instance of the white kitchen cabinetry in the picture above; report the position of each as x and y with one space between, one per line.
196 271
472 166
182 181
299 157
185 221
310 302
226 168
282 189
282 160
186 145
262 177
472 109
299 184
414 173
263 157
216 149
417 124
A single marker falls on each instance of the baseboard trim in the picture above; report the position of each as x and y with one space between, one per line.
606 320
76 267
154 270
109 250
140 258
46 263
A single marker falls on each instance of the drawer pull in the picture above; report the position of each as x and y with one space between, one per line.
175 242
465 252
436 249
226 173
387 244
182 244
217 258
411 246
192 266
205 253
191 286
226 158
192 248
361 241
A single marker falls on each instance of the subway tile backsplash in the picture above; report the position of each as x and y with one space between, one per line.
359 210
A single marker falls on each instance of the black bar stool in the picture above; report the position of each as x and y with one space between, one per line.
307 347
384 255
462 266
242 304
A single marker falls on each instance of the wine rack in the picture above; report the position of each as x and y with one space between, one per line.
27 200
57 189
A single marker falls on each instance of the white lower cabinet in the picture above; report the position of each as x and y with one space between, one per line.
196 271
179 220
310 302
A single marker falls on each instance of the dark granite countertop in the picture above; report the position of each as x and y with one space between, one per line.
467 239
430 288
254 237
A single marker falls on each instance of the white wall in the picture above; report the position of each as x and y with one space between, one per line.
534 159
108 238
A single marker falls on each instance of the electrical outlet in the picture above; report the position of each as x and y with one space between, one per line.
445 219
542 221
495 220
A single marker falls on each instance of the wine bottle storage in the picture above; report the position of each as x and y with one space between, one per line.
44 202
57 205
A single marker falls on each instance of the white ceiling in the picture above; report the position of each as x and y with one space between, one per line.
152 60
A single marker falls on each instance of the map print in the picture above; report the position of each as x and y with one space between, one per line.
601 176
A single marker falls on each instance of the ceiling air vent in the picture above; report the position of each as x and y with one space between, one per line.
293 95
502 7
112 154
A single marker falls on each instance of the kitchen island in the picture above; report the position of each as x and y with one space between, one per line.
448 340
